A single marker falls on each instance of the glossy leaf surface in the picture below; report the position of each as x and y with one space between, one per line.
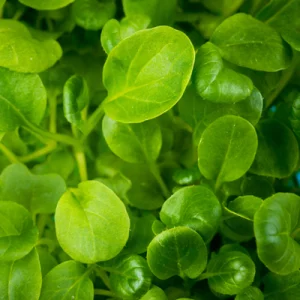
46 4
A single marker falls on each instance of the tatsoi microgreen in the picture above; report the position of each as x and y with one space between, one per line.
149 150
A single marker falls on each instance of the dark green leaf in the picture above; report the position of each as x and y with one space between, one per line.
250 293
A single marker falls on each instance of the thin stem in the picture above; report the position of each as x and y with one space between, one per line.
9 154
104 293
102 274
39 153
51 244
205 276
41 223
156 173
93 121
53 113
18 14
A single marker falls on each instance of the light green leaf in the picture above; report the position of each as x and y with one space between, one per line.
238 224
227 149
130 277
47 260
18 234
21 279
177 251
38 193
277 152
21 52
91 223
196 207
250 293
46 4
68 280
134 143
284 17
278 287
216 82
276 228
75 99
114 31
155 293
160 13
229 273
93 14
249 43
22 99
144 82
222 7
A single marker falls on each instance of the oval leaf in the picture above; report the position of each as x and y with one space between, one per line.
154 294
242 41
91 223
230 272
276 226
250 293
22 99
134 143
227 149
177 251
46 4
18 235
21 279
67 281
196 207
216 82
147 81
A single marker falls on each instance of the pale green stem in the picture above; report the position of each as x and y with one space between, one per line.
51 244
156 173
39 153
9 154
92 121
102 274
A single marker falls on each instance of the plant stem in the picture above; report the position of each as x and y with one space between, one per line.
156 173
204 276
102 274
9 154
104 293
53 113
93 121
38 153
51 244
41 223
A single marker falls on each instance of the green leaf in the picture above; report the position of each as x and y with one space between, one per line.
284 17
18 234
276 228
277 152
227 149
250 43
91 223
134 143
38 193
230 272
177 251
222 7
68 280
21 52
114 31
160 13
258 186
140 233
147 81
238 224
216 82
93 14
196 207
250 293
22 99
47 260
46 4
21 279
194 109
130 277
282 287
75 99
154 294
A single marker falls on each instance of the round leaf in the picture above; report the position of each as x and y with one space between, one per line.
196 207
46 4
130 277
22 99
18 235
21 279
276 225
250 293
227 149
147 81
242 41
230 272
277 152
135 143
177 251
154 294
67 281
91 223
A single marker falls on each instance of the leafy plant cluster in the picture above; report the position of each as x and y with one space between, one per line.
149 149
